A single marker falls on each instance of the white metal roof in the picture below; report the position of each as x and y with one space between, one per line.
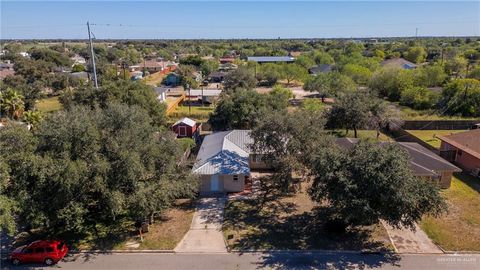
224 152
186 121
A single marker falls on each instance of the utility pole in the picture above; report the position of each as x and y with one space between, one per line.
416 33
92 55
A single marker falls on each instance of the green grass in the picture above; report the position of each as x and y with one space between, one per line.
429 136
362 134
50 104
459 229
197 113
412 114
165 233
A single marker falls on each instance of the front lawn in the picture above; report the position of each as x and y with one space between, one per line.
47 105
165 233
429 136
290 223
459 229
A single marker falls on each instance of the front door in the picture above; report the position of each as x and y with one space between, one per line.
182 131
214 185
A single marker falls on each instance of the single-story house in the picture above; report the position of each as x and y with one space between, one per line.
205 95
172 79
227 59
154 65
398 63
323 68
224 162
423 162
78 60
217 76
186 128
271 59
81 75
463 149
161 93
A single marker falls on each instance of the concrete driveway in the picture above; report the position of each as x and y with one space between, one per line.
408 241
205 234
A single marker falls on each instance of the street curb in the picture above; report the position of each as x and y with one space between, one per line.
121 251
314 251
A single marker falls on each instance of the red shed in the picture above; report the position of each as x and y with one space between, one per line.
185 127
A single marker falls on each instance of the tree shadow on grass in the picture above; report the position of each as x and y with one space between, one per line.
269 222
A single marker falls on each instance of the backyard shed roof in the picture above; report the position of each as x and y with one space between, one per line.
187 121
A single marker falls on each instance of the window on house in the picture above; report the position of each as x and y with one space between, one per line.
235 178
459 152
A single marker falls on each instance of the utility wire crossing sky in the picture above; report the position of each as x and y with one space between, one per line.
205 20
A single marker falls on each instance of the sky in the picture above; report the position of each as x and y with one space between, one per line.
236 19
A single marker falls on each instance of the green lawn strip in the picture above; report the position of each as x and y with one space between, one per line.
49 104
459 229
362 134
429 136
412 114
197 113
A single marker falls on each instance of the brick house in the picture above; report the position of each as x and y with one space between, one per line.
463 149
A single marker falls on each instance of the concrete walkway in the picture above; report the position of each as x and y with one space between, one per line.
408 241
205 234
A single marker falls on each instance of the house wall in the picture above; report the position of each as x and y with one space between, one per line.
226 183
464 160
190 130
445 180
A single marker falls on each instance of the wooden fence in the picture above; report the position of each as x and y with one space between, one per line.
171 107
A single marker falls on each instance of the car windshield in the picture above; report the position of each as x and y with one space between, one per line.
60 246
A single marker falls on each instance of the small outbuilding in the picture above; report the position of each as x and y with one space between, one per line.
186 128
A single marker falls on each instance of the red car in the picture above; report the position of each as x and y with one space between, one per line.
41 251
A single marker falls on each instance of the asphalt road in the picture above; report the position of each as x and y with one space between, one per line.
261 261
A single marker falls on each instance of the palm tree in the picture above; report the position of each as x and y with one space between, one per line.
12 103
32 118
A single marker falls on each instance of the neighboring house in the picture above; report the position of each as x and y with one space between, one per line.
154 65
162 93
6 69
24 54
172 79
81 75
463 149
398 63
136 75
186 128
323 68
227 67
217 76
423 162
78 60
227 59
271 59
206 95
6 72
224 162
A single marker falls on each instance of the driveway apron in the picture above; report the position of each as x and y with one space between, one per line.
205 234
